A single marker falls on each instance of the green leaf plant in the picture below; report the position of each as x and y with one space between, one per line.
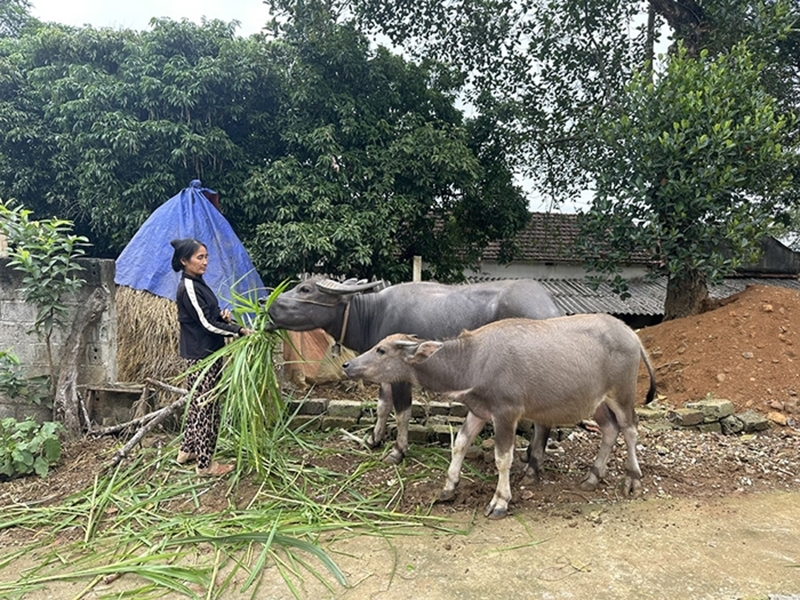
45 252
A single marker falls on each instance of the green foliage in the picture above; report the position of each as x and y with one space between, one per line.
694 169
326 154
14 17
378 165
45 252
14 385
102 126
27 447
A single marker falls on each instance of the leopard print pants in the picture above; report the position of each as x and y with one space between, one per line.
202 418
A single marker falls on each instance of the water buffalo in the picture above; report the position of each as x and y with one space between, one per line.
430 310
556 371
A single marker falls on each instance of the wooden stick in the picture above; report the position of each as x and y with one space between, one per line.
166 386
162 414
99 431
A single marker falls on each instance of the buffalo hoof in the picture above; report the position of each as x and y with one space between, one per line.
632 487
530 478
371 443
395 457
588 485
446 496
495 513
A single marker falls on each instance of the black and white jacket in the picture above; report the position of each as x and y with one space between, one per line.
202 329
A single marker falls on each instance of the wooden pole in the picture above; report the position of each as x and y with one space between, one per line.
417 269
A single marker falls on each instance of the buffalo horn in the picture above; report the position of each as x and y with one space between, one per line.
351 286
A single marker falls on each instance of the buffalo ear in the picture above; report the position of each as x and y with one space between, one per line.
425 350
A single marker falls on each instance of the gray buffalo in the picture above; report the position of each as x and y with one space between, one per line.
430 310
553 372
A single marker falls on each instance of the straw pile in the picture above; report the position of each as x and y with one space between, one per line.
147 337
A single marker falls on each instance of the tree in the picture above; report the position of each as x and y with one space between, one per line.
46 252
14 17
326 155
550 71
101 126
377 164
694 170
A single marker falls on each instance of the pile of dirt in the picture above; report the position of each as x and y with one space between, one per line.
743 351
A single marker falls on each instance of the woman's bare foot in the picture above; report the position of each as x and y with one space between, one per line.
214 470
185 457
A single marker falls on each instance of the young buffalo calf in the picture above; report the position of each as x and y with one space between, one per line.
553 372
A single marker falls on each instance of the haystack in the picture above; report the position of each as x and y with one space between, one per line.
147 337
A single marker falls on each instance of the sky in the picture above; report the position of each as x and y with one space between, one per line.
136 14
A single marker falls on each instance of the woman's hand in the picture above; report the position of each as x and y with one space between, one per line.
245 331
225 315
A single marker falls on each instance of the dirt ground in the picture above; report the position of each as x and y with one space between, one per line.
718 517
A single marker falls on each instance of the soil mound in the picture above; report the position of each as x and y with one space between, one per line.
744 350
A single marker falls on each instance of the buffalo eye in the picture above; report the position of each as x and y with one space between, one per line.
380 351
305 289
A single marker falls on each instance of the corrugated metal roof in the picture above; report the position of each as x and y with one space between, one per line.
577 296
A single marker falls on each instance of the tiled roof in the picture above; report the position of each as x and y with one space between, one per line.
550 238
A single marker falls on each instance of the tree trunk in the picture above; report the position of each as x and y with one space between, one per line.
66 407
686 295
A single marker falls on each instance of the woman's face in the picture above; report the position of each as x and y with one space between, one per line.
197 264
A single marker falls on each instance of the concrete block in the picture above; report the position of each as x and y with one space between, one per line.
329 422
712 409
715 427
307 422
438 408
418 434
731 425
344 408
457 409
685 417
647 413
752 421
308 406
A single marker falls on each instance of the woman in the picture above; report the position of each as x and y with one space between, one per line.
203 330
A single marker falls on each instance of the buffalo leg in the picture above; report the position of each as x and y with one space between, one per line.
466 435
401 398
536 452
609 430
503 456
385 405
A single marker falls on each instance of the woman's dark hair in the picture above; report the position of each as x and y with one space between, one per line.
184 250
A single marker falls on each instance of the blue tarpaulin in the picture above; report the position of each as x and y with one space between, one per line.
144 264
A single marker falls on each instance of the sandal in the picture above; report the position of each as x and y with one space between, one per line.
214 470
185 457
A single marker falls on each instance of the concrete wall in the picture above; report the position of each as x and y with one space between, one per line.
99 361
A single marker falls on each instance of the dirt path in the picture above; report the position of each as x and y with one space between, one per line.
736 547
745 546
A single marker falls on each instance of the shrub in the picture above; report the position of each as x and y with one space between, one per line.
27 447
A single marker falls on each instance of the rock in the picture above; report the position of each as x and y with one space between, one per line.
712 409
685 417
752 421
747 355
649 413
777 417
345 409
731 424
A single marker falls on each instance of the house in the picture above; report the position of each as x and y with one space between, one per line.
546 252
